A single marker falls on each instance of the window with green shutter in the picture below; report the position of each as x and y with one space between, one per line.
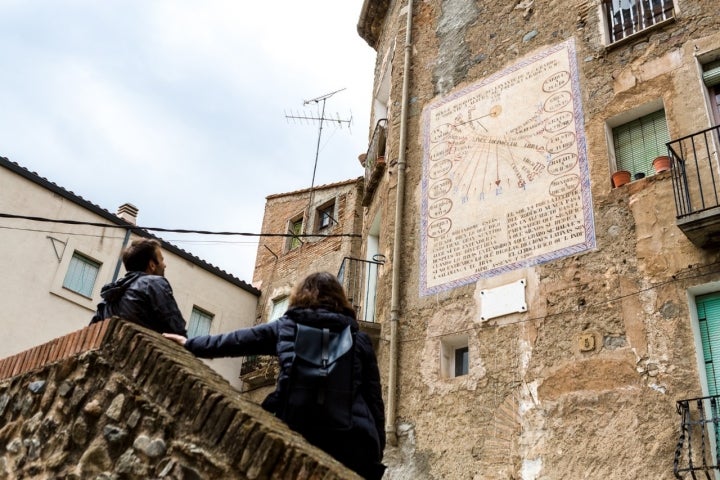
638 142
81 275
708 308
199 323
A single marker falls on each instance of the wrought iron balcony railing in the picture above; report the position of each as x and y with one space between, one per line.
375 160
696 453
258 370
359 279
695 180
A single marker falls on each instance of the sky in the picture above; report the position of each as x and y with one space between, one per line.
180 107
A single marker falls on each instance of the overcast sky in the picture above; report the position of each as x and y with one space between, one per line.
179 107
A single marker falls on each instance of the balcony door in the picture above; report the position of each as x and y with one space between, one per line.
708 311
708 308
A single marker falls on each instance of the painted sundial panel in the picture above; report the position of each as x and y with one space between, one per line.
505 176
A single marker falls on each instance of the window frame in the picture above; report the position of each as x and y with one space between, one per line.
278 307
326 210
295 223
449 348
202 314
87 261
637 24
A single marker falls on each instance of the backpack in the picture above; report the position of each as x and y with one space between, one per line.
320 389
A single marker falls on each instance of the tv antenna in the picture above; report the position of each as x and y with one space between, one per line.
321 120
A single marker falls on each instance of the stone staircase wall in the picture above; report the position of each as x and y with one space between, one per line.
117 401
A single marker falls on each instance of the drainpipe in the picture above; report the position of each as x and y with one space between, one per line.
390 427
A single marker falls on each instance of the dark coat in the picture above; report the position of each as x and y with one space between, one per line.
143 299
360 448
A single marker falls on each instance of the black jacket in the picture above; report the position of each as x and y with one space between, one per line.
362 447
143 299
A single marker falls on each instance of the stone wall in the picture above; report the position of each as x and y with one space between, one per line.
136 406
537 403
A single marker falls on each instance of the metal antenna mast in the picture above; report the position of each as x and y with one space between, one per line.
321 119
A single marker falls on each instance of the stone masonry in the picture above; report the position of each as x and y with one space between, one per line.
121 402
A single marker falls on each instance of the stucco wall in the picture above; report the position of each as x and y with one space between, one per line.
35 259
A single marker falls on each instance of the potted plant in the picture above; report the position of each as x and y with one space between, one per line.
620 178
661 163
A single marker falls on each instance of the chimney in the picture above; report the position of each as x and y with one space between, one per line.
128 212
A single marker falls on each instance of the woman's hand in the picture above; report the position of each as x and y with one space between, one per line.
179 339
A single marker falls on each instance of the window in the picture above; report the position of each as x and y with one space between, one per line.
199 323
326 216
638 142
280 306
81 275
295 228
627 17
708 308
454 356
711 78
461 361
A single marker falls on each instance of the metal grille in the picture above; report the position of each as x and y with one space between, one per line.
627 17
697 448
359 279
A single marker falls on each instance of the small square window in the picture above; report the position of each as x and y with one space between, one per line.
454 356
199 323
326 216
638 142
81 275
295 228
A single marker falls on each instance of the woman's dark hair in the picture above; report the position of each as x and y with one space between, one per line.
137 256
321 290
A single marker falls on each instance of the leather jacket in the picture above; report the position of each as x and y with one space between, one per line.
143 299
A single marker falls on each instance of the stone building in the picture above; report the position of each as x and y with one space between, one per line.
540 321
53 272
324 224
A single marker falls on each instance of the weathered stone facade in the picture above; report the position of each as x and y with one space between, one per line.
133 405
584 383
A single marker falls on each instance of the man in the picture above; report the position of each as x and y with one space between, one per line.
143 295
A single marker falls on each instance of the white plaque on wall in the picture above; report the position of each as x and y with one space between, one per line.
503 300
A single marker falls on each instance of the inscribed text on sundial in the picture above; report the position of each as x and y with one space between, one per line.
505 178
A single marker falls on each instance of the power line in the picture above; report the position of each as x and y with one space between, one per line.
679 277
173 230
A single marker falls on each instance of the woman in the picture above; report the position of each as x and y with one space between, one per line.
318 301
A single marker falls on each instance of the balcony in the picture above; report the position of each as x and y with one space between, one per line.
697 449
374 161
695 186
359 279
258 371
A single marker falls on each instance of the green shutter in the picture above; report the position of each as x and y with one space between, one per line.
711 75
637 143
199 323
81 275
708 307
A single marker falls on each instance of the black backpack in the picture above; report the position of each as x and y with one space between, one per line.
320 393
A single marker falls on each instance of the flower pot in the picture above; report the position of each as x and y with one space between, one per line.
639 175
661 163
620 178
